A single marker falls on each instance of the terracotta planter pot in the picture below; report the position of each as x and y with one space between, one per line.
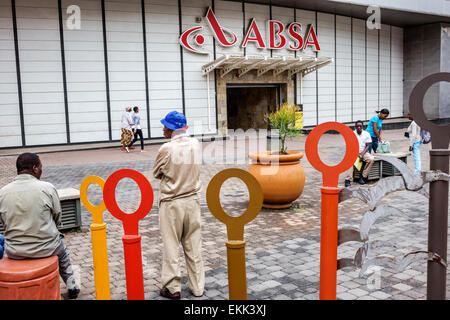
282 177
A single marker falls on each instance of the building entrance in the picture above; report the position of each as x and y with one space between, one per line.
247 104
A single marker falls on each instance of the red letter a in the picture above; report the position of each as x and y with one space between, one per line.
311 32
256 37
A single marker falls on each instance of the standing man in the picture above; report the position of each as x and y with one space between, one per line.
137 130
415 141
127 125
374 128
30 210
364 141
177 167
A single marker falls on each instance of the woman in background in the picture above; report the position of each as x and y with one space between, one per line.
374 128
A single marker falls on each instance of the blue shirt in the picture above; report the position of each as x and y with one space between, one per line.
137 120
378 121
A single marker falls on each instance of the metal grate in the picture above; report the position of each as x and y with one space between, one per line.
389 170
70 217
374 172
380 169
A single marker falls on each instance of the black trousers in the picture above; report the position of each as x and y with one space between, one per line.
141 137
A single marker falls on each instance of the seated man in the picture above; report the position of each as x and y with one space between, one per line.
364 141
30 210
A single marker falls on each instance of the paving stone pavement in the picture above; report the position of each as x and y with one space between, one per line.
282 246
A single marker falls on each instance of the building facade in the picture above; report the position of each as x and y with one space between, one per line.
68 68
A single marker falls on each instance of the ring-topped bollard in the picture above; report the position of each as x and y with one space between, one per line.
330 200
438 204
98 236
132 238
237 278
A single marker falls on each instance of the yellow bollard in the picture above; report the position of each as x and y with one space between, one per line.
237 277
98 236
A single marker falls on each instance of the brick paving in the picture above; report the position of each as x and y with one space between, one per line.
282 246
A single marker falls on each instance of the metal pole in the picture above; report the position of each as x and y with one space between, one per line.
100 260
133 267
329 243
237 275
438 226
438 205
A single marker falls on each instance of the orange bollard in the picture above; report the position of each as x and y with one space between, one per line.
98 237
329 242
330 201
132 238
237 277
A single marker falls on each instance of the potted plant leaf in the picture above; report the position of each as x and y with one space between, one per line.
280 172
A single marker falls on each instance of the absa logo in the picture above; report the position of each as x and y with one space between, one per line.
279 36
219 33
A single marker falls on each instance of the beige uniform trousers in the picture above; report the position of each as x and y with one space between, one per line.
180 222
369 160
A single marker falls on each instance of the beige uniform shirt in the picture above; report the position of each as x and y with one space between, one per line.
177 166
30 210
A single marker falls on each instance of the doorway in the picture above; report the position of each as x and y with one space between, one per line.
247 104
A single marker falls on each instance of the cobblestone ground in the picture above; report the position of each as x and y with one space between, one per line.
282 246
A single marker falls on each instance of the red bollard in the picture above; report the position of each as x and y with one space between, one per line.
132 238
133 267
329 243
330 201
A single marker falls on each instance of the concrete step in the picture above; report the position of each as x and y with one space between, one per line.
90 146
388 124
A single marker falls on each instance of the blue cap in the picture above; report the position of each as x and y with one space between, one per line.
174 120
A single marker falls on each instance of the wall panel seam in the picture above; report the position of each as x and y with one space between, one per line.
64 74
18 71
105 54
147 93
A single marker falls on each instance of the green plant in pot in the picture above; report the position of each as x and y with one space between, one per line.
285 184
283 120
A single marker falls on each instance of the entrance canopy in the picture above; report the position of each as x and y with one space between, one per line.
264 64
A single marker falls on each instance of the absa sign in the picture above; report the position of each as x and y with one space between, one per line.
278 37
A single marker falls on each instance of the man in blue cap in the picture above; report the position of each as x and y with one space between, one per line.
177 166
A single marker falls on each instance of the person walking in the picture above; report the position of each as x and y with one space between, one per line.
364 141
374 128
177 166
137 130
30 211
415 141
127 125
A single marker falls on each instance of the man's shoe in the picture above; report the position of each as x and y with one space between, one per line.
132 148
347 183
361 181
196 295
166 294
73 293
